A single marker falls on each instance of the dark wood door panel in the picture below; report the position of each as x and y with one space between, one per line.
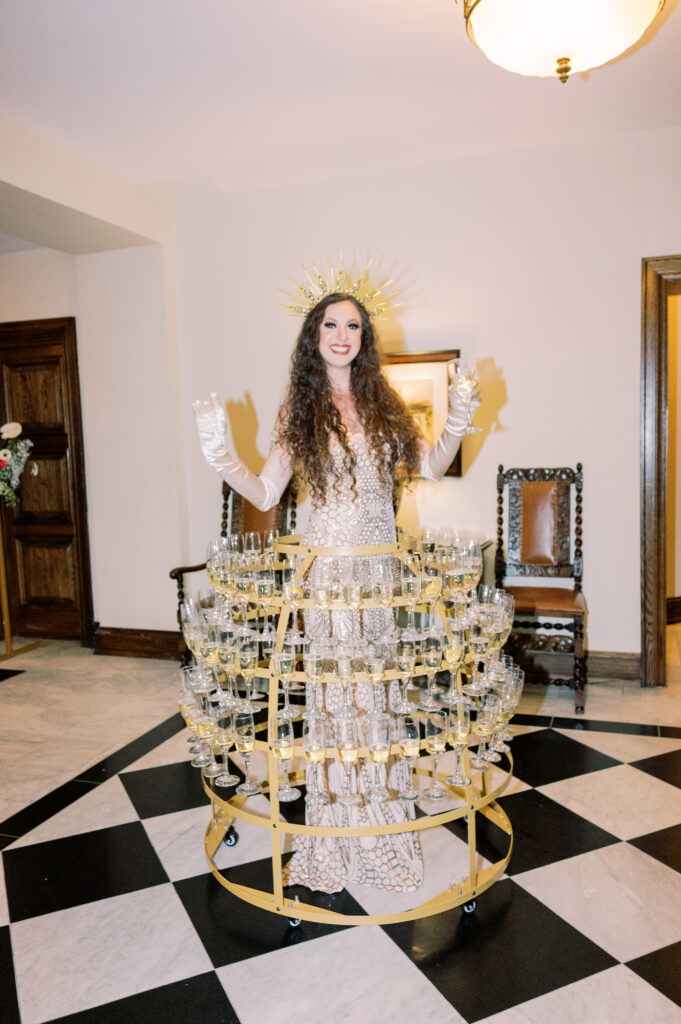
36 392
46 542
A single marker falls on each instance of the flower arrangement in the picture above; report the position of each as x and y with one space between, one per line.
13 455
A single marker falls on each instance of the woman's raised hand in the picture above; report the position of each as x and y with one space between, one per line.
211 423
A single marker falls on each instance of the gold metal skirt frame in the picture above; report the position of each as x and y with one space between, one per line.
225 811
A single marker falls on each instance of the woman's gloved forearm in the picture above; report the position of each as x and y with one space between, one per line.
211 422
438 458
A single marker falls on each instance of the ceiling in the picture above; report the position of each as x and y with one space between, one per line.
269 92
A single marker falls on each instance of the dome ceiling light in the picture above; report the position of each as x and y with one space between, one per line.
556 37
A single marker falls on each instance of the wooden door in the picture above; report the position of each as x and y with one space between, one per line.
45 536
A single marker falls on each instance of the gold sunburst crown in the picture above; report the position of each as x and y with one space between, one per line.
353 281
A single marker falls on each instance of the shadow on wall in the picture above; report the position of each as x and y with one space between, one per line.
494 397
243 421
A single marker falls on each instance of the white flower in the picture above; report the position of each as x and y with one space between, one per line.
8 430
6 454
34 468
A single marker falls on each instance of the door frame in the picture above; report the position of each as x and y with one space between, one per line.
661 277
26 330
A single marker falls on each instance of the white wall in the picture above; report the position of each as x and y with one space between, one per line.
134 511
129 434
530 262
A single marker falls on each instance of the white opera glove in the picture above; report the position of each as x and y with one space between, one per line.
438 458
211 422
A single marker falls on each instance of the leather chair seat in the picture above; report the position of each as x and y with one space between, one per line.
547 601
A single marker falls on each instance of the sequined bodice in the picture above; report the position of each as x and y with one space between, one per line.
344 517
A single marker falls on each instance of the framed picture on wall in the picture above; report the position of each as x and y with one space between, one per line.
420 378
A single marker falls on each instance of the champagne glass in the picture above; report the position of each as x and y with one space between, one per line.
192 718
409 739
343 671
205 727
428 540
281 738
454 652
382 581
248 663
378 742
268 539
251 542
352 595
464 381
293 592
224 741
459 730
410 577
405 660
202 684
313 664
477 642
431 654
376 657
314 751
284 665
431 581
484 725
244 740
347 742
436 743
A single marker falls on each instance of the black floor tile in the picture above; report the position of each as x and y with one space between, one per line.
540 721
547 756
195 999
663 766
543 832
232 930
39 811
671 731
591 725
7 673
664 845
9 1007
132 752
80 869
163 790
511 949
662 970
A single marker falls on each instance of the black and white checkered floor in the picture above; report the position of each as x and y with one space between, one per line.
112 915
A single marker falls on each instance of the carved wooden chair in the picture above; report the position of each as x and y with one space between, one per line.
550 622
239 516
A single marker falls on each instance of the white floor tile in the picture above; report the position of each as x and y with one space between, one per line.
624 747
85 956
99 807
623 800
615 996
623 900
179 840
173 751
359 972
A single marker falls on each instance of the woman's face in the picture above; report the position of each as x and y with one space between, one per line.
340 334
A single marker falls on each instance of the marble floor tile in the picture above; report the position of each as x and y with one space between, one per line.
103 951
172 751
179 840
99 807
622 899
614 996
623 746
622 800
337 975
4 912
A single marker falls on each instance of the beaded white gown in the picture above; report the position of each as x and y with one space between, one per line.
393 862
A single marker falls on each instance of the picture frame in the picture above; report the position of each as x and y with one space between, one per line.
420 379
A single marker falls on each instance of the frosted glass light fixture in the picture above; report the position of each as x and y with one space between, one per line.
556 37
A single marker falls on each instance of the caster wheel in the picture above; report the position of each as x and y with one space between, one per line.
293 922
469 908
231 837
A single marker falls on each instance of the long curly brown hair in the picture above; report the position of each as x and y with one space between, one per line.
309 417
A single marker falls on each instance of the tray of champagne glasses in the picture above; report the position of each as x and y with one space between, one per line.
377 623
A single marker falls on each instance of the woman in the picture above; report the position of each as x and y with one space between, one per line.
349 436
